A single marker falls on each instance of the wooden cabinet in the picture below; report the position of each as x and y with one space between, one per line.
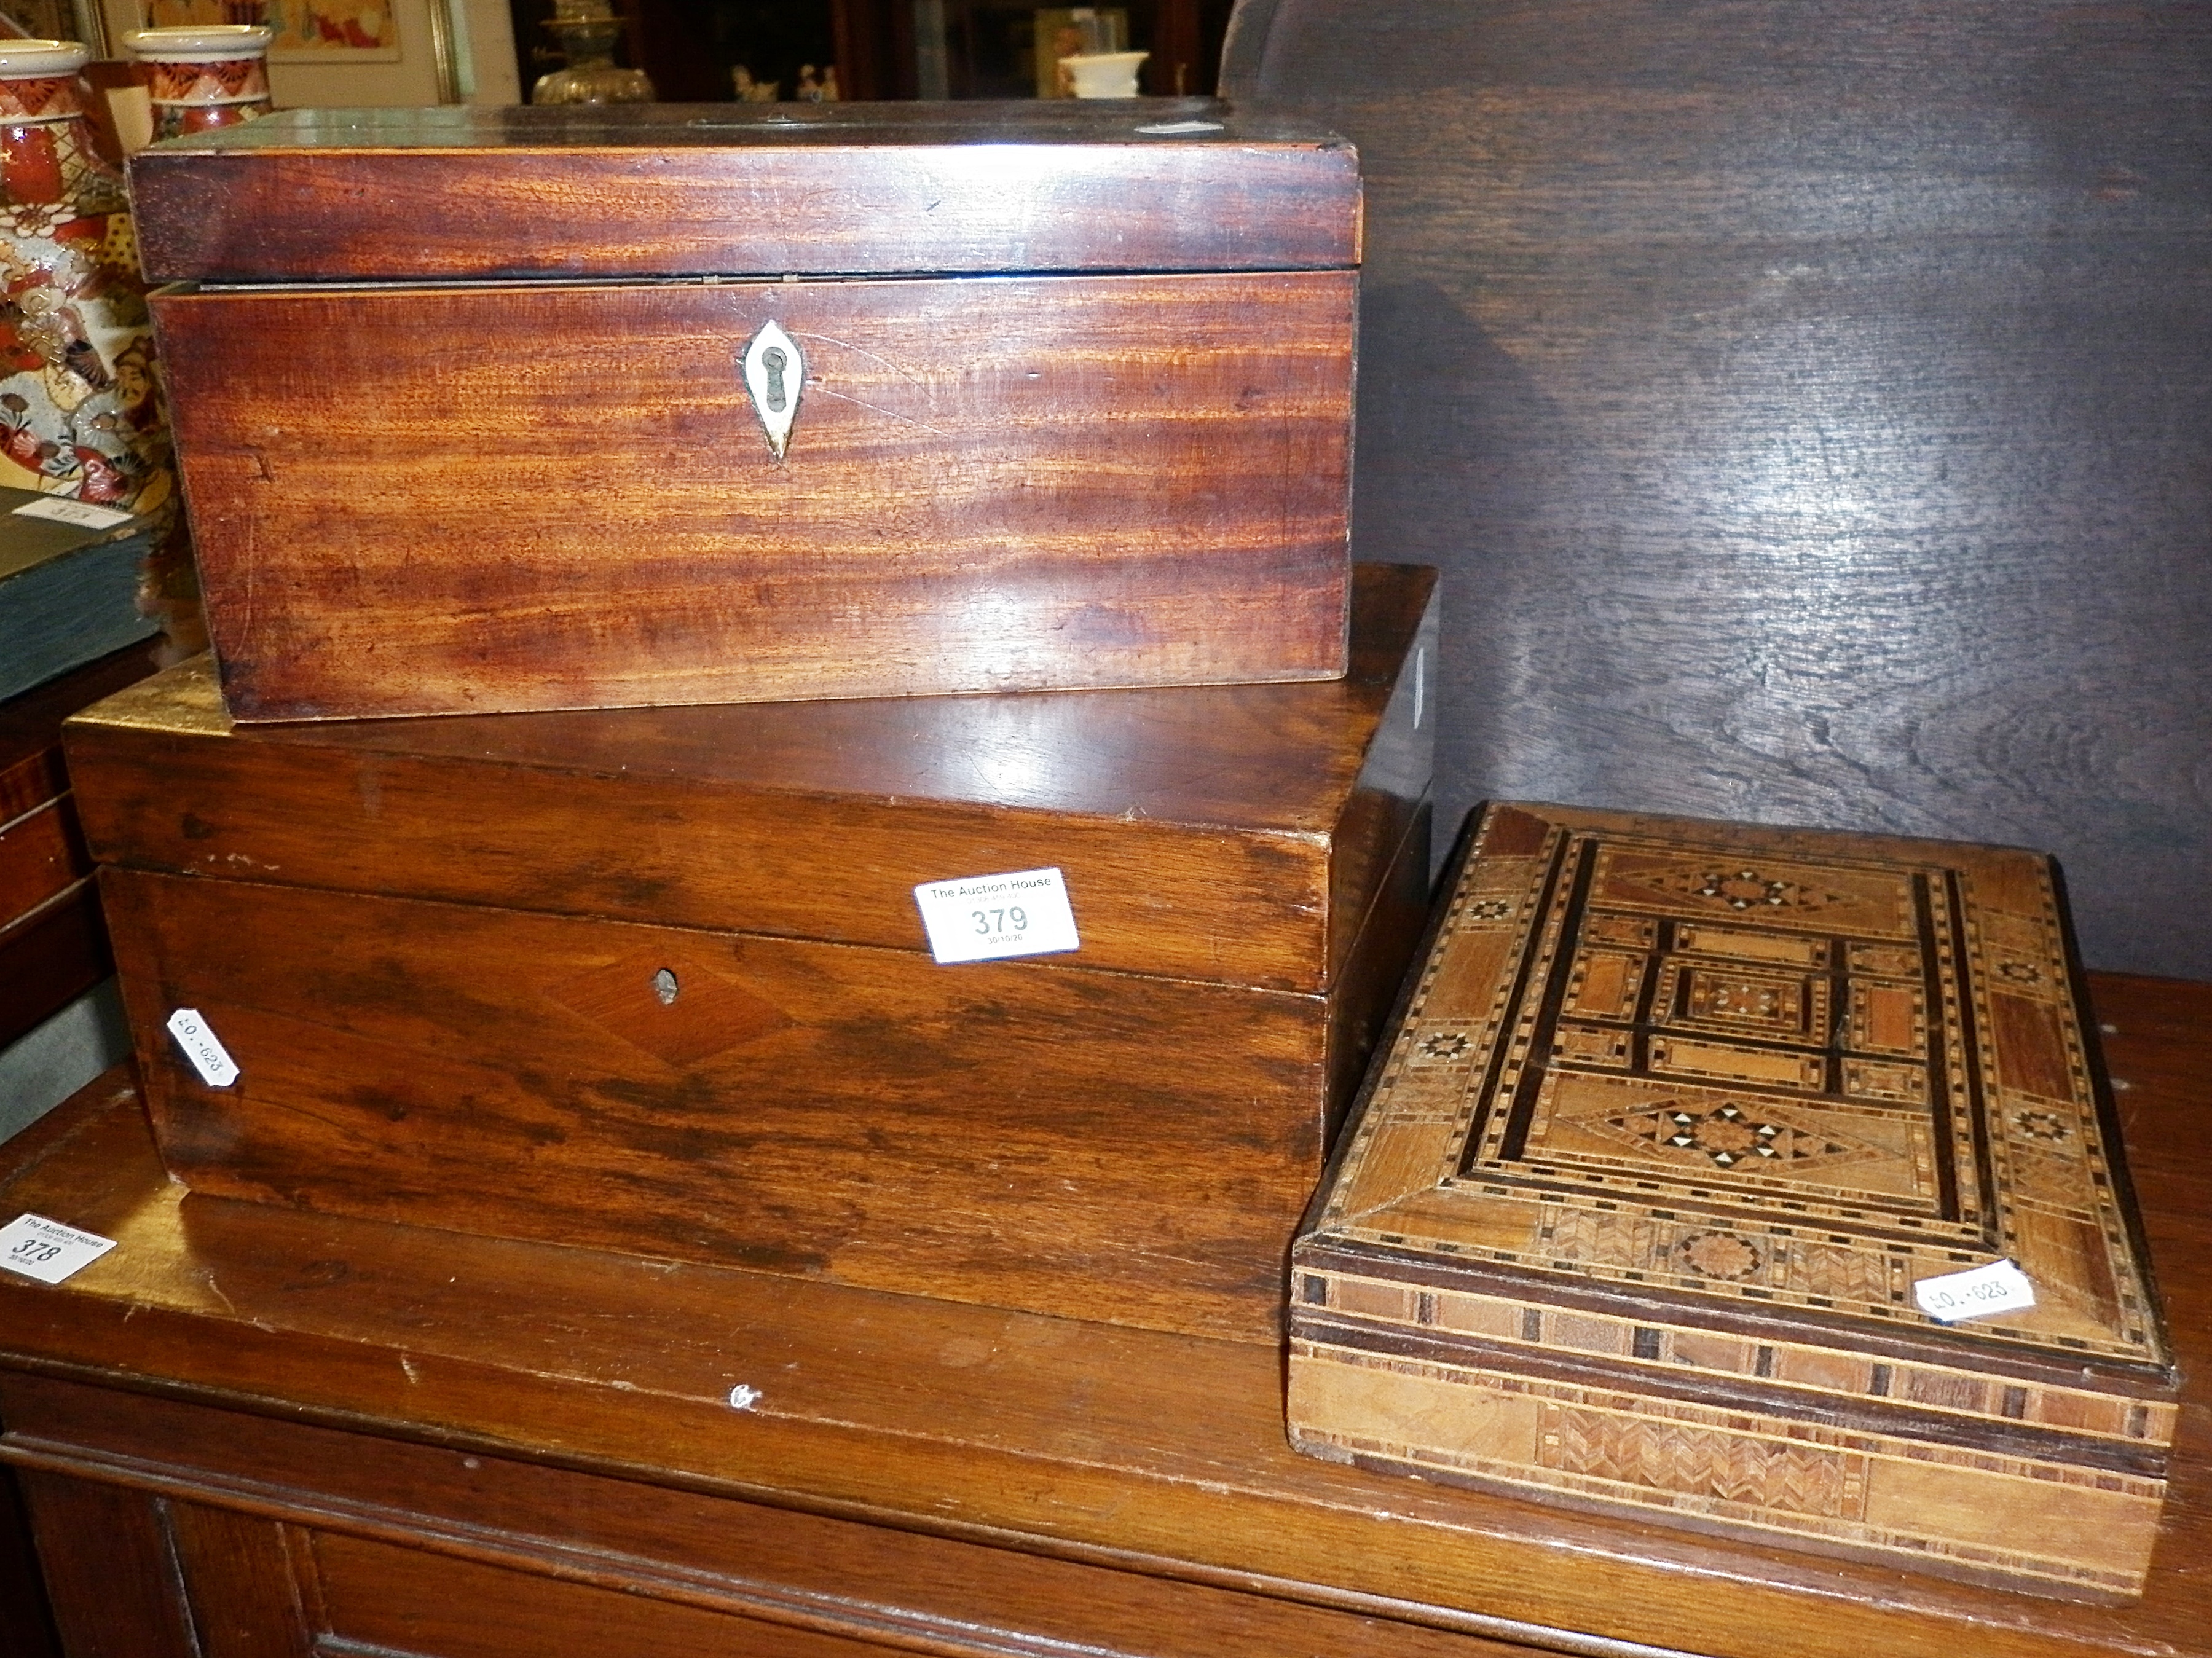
437 1551
52 947
250 1433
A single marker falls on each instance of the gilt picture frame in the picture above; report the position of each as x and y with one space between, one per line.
60 20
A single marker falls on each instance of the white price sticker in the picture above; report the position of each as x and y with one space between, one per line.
1999 1287
47 1250
209 1057
62 510
985 918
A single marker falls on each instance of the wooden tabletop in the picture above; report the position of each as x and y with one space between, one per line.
1158 1453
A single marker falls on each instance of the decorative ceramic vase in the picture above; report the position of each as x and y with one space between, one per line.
588 31
79 412
216 75
1104 75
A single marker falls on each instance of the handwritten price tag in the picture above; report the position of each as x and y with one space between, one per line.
987 918
1999 1287
209 1057
47 1250
82 514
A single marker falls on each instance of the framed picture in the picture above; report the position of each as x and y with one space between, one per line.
356 31
308 31
59 19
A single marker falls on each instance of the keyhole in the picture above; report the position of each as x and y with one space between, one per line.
773 360
663 986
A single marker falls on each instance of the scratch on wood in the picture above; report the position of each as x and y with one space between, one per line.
847 346
822 391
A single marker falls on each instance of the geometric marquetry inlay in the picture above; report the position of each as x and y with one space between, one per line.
1777 1034
1670 1095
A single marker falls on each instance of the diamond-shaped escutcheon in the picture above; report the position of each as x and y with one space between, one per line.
674 1004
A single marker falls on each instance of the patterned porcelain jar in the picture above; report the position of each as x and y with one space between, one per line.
214 75
79 415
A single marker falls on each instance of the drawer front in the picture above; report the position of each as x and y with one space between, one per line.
393 1598
1058 1139
423 500
41 856
277 1540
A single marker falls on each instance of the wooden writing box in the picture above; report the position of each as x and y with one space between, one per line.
432 947
1677 1115
473 408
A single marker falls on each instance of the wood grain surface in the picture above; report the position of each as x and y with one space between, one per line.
1810 408
31 771
1127 1131
736 190
566 1413
640 1565
1230 833
49 958
121 1596
1089 1144
52 946
416 500
41 854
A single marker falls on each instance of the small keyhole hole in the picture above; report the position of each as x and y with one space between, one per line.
775 362
665 986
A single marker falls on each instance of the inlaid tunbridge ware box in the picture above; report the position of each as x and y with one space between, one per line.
654 980
1678 1124
559 407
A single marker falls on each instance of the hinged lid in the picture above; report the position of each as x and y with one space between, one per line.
662 190
1758 1081
1234 834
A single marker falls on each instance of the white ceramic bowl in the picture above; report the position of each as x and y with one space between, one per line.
212 43
1104 74
25 57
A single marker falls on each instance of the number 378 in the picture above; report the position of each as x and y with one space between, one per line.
988 921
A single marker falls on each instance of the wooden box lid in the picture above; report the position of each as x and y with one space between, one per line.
1229 834
664 190
1676 1115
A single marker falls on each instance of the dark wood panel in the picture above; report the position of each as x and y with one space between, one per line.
50 958
397 1598
110 1568
27 1628
1377 966
241 1581
41 854
1233 833
1811 410
670 189
1002 484
30 727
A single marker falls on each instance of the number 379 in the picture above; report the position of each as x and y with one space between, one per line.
988 921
